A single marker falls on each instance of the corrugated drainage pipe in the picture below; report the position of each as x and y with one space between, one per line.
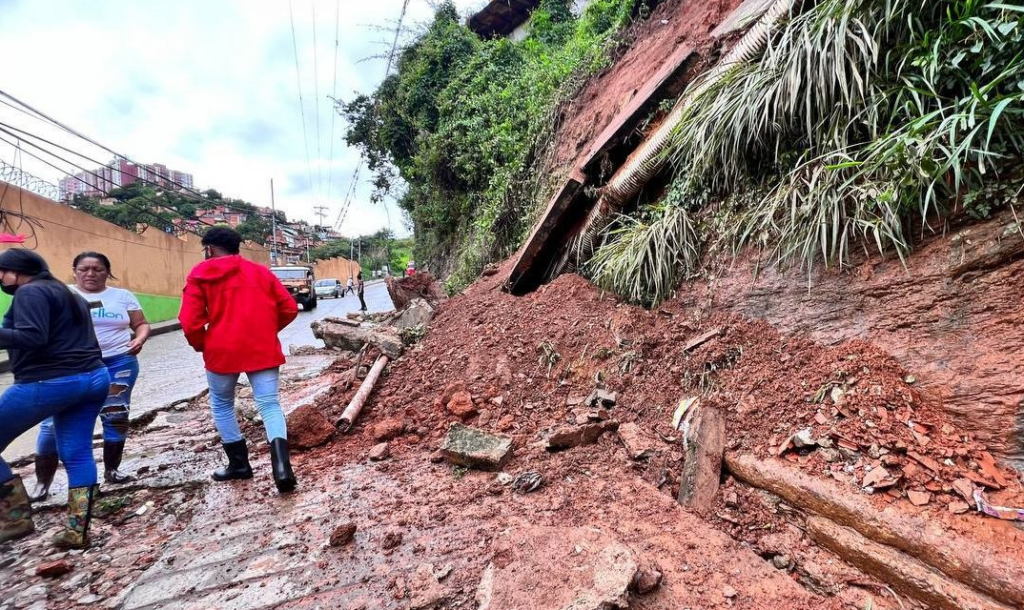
649 159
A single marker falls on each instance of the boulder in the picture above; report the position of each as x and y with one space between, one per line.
472 448
421 285
353 338
461 405
308 428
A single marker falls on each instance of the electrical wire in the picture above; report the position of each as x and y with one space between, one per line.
302 106
316 107
334 96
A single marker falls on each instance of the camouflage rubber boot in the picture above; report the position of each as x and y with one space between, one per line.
15 512
76 532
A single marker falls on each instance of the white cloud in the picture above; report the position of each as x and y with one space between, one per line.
206 87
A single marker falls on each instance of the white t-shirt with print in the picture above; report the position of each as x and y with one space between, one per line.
113 328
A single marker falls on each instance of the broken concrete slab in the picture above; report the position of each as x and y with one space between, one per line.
353 338
588 569
472 448
419 313
702 462
904 573
576 436
638 444
308 428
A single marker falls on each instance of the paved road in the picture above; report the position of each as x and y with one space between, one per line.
171 371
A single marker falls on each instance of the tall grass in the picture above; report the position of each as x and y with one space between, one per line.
861 117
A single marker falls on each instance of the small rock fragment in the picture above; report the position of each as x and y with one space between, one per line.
391 540
958 508
53 569
637 445
646 580
781 562
388 429
527 482
919 498
461 405
568 437
380 451
728 592
343 534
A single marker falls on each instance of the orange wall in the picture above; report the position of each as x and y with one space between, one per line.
152 262
337 268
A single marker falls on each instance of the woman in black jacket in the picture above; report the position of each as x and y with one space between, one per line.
58 372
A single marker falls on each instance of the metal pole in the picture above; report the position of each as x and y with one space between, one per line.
351 247
273 224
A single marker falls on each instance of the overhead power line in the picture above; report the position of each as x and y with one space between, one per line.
316 107
334 96
302 106
30 110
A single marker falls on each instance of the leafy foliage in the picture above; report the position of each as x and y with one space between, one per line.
458 133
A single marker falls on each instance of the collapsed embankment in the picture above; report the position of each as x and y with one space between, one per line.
522 366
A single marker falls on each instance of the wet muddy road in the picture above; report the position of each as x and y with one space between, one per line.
171 371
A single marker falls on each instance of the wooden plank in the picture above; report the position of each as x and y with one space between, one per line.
561 202
702 461
653 92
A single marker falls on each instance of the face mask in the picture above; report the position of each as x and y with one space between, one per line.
9 289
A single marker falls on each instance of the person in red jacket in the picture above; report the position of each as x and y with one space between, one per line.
231 311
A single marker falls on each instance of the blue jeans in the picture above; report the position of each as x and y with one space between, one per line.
73 402
124 371
264 390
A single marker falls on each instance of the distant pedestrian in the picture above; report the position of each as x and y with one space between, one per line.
116 315
59 373
349 287
231 311
362 303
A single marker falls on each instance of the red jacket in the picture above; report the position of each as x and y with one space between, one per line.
232 310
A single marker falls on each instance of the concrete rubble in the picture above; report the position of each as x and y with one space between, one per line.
472 448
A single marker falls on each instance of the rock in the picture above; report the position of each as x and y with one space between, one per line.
53 569
387 340
604 398
728 592
30 595
422 285
88 600
575 436
830 455
485 417
343 534
387 429
782 562
804 439
461 405
958 508
465 446
585 569
646 580
380 451
879 478
964 488
638 444
704 444
391 540
506 422
308 428
436 457
919 498
424 589
419 313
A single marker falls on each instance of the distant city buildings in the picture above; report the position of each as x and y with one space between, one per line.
119 173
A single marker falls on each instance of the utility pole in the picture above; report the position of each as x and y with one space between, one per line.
273 224
321 211
351 251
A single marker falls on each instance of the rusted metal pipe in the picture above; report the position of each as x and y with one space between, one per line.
355 406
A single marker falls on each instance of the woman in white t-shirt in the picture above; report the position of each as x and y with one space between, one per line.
116 315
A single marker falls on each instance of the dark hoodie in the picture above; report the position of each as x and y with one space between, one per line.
48 333
232 310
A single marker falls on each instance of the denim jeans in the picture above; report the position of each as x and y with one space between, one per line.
124 371
264 390
73 402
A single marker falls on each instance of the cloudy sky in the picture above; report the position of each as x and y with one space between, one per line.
207 87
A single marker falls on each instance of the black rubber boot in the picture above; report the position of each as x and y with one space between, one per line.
284 478
46 467
112 454
238 463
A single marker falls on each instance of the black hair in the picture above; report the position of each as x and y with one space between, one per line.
224 238
102 258
359 275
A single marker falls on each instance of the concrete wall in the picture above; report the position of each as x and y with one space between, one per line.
337 268
152 264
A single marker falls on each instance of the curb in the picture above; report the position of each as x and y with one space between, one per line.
160 328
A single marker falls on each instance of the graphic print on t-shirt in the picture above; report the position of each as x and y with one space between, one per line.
110 318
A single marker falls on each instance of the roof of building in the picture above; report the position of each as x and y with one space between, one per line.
501 17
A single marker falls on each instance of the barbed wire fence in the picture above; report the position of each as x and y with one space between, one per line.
17 177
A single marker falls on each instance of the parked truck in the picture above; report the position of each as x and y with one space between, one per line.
298 279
